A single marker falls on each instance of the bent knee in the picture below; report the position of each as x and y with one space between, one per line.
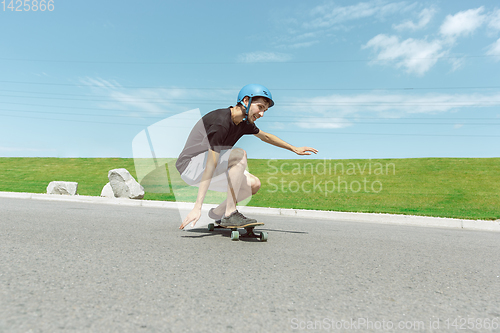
237 156
255 184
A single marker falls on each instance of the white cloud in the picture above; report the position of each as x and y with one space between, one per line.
312 26
143 100
42 74
153 101
109 25
299 41
415 55
325 123
340 111
463 23
456 63
263 57
100 83
494 23
419 55
329 15
424 17
133 99
300 45
494 50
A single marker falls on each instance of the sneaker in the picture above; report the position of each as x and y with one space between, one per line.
236 220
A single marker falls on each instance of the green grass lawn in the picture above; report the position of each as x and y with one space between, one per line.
444 187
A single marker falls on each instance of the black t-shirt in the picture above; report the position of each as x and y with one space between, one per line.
215 130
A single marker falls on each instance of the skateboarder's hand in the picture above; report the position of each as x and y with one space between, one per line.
193 217
305 150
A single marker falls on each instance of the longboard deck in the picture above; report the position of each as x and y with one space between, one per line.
235 235
249 225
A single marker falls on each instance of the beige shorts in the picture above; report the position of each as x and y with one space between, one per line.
194 171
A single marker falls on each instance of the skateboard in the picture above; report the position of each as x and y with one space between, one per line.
235 234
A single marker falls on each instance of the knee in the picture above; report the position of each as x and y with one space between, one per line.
255 185
238 156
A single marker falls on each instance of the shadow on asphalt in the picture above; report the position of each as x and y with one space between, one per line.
227 233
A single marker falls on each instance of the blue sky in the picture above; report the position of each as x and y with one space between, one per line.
368 79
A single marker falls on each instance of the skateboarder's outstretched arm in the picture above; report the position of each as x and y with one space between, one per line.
274 140
195 214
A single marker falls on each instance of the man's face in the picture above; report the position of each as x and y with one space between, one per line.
257 108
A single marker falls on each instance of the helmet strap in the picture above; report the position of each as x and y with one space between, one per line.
247 108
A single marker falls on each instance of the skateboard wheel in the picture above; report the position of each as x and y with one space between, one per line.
211 227
235 235
263 236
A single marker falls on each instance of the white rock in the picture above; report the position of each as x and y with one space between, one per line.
64 188
124 185
107 191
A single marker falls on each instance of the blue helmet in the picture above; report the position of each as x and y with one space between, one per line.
255 90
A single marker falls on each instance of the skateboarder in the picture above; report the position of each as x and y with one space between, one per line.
210 162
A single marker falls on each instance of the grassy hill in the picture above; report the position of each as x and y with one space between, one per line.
444 187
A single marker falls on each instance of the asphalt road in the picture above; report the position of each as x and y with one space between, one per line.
79 267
